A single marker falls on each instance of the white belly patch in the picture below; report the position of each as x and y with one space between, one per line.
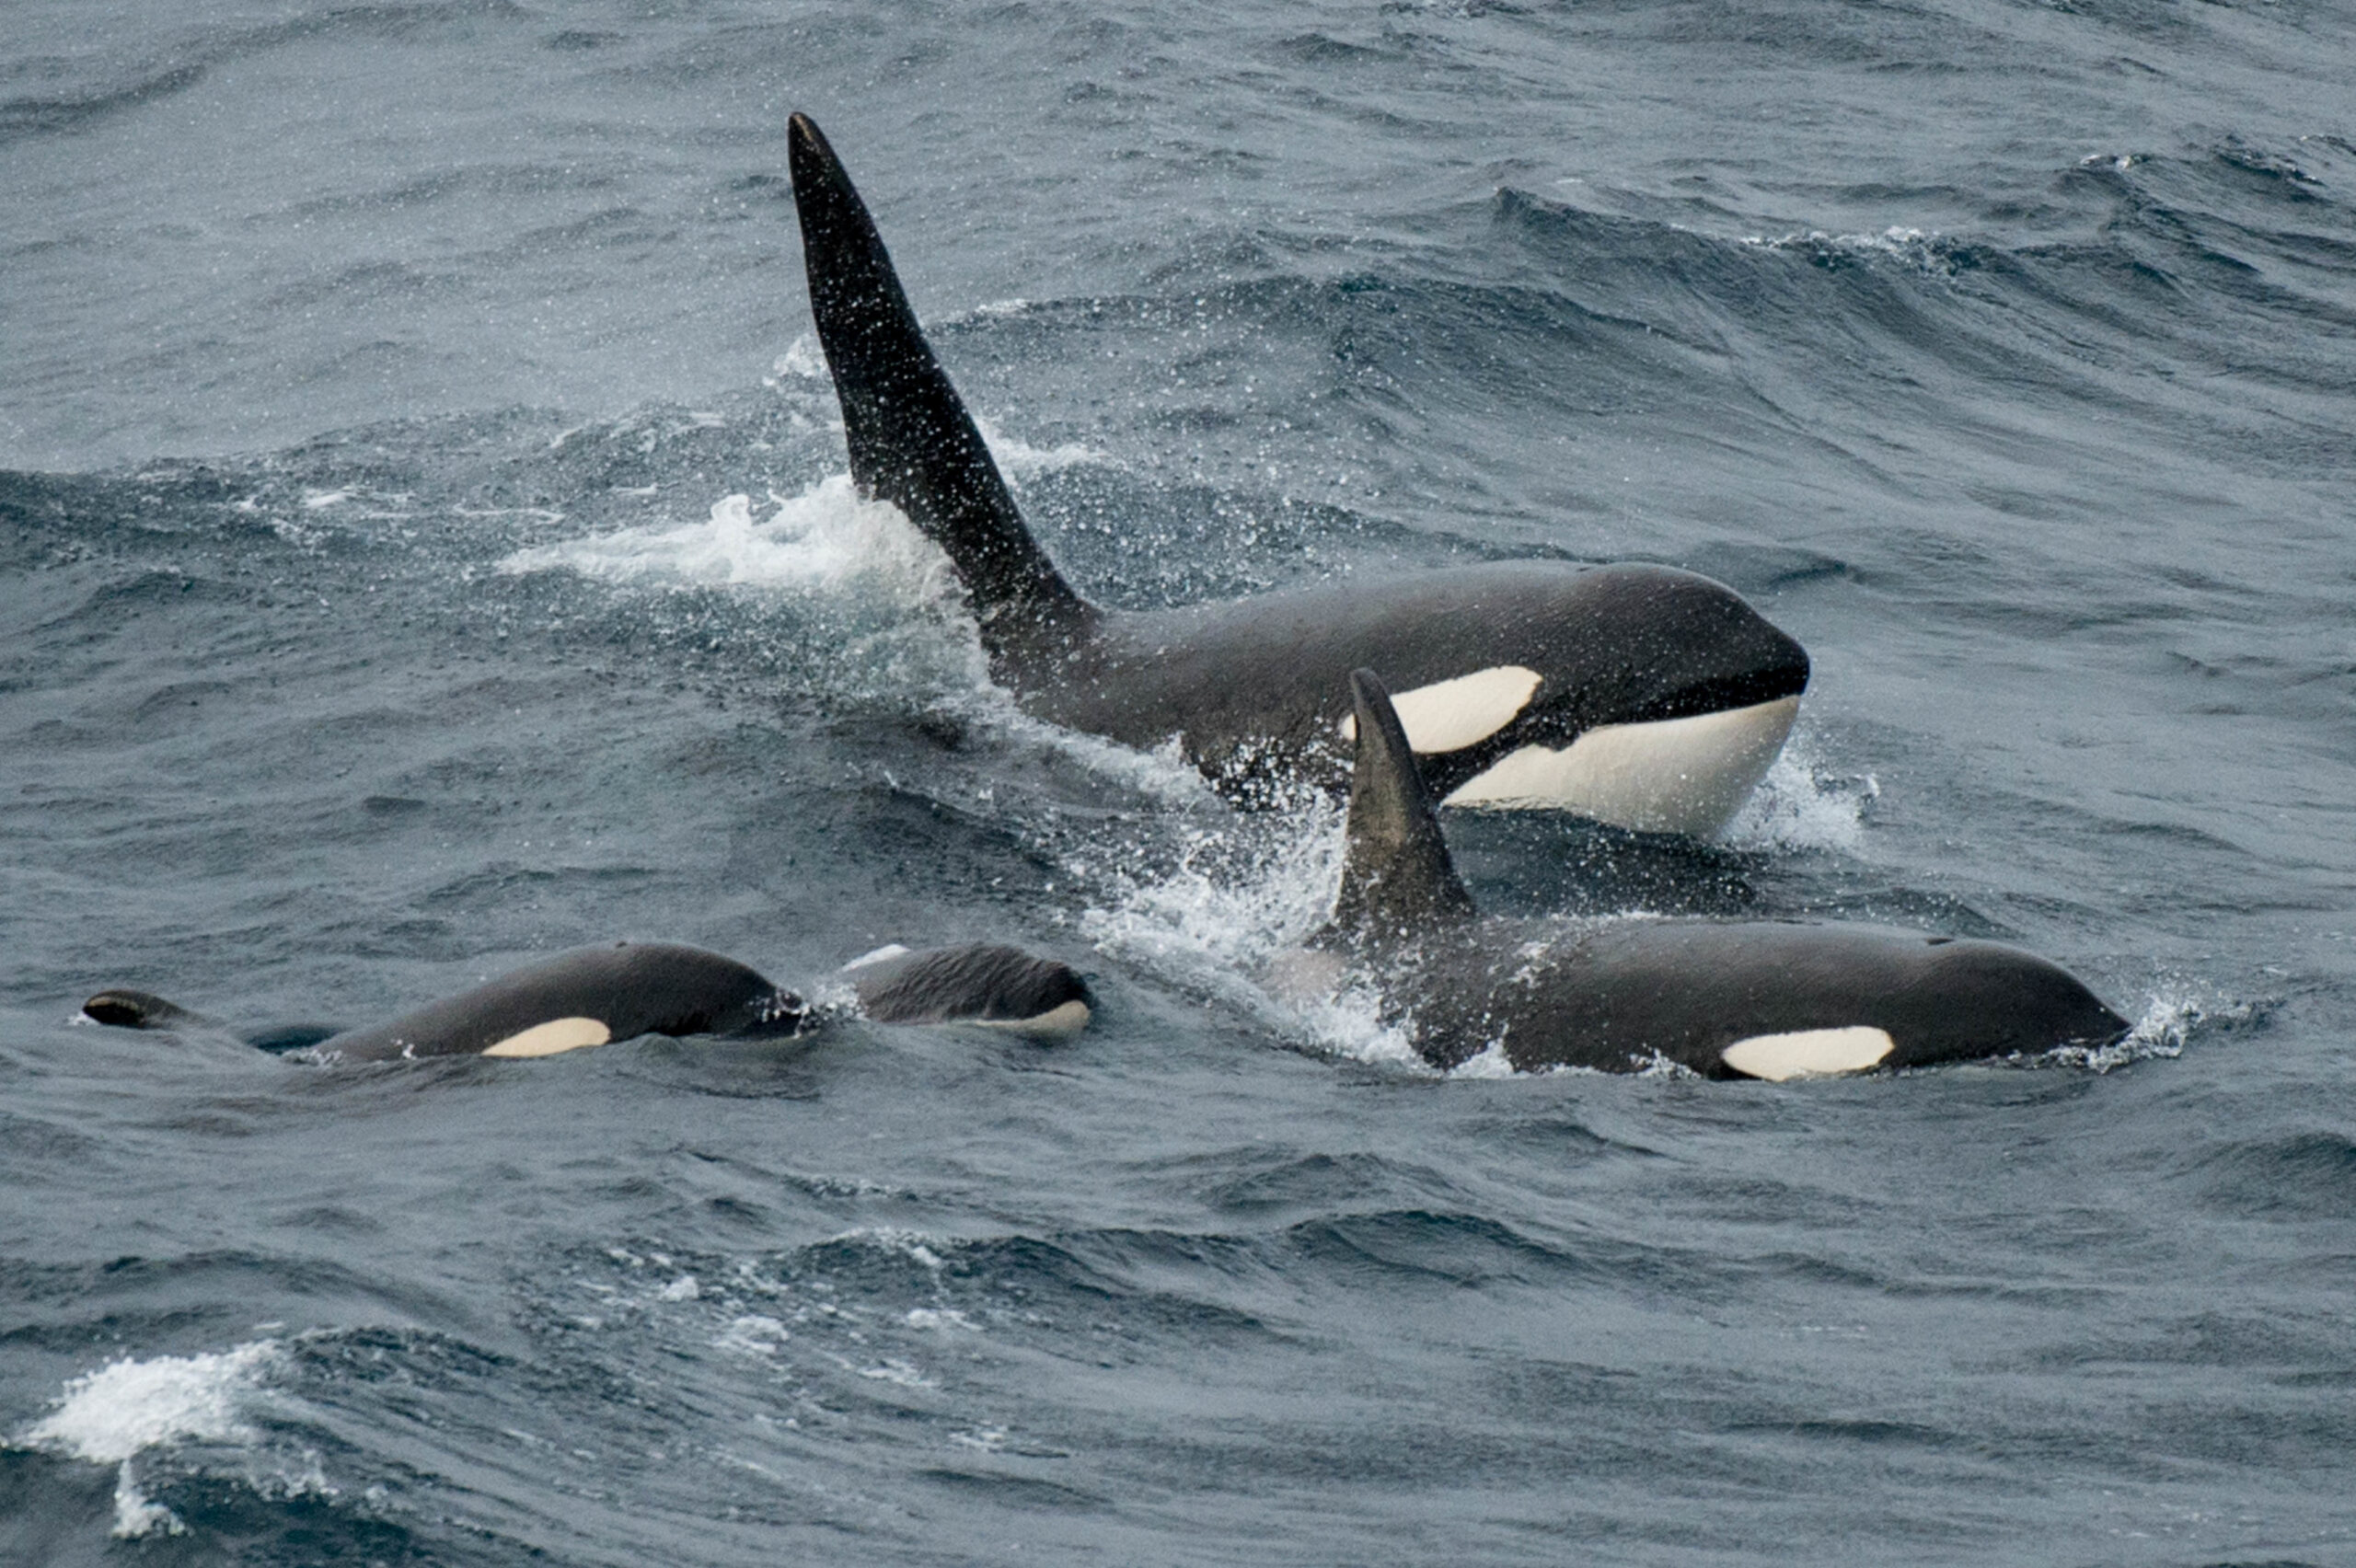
1684 776
1450 715
1055 1023
1808 1053
553 1038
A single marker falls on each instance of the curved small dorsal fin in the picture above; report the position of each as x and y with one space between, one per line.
125 1008
1397 878
911 442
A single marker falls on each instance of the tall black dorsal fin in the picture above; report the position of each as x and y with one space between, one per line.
1397 879
912 442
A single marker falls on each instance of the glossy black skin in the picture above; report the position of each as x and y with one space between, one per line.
126 1008
1618 996
1261 684
638 988
981 983
1252 684
633 988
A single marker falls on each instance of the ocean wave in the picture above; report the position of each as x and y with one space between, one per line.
130 1406
197 54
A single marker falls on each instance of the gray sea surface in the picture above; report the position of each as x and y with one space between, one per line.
425 544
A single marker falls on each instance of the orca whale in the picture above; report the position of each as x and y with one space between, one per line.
592 996
1761 999
1643 696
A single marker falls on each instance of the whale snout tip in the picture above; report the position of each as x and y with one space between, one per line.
2109 1028
1777 657
1790 657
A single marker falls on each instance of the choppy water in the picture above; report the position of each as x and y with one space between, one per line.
377 615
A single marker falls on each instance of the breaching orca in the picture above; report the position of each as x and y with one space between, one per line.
1724 998
594 995
1642 696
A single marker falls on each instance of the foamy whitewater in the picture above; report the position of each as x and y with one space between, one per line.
114 1415
426 543
826 538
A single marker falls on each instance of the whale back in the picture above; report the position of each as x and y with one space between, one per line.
1397 879
981 983
587 996
911 441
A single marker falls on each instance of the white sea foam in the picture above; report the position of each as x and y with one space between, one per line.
913 1245
897 1372
753 1333
1020 460
802 361
1229 917
938 1318
1492 1063
1238 896
1924 251
824 539
1802 804
126 1407
1162 773
2170 1015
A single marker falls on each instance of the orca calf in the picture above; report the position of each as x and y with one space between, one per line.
1725 998
1642 696
595 995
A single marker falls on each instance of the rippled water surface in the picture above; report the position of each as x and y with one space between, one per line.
427 544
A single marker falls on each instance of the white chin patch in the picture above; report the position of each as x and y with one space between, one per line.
1451 715
553 1038
1808 1053
1684 776
1055 1023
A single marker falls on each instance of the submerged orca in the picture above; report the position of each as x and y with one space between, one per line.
1642 696
1724 998
594 995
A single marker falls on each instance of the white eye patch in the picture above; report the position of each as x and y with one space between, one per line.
1451 715
1808 1053
553 1038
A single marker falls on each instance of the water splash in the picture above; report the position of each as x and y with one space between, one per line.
801 362
1018 460
826 540
1932 254
1224 915
2168 1020
1802 804
114 1415
1234 897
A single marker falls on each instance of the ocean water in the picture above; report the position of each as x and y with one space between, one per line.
425 542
